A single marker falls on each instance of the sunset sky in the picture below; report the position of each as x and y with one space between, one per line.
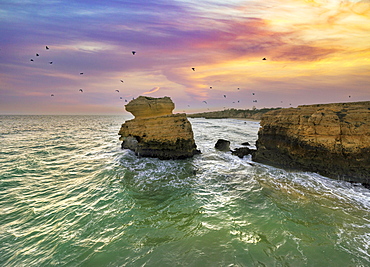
316 52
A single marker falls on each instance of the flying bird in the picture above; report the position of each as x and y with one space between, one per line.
133 53
81 90
117 91
205 102
52 95
31 59
37 55
264 58
47 48
120 97
225 96
193 69
210 87
252 93
121 81
81 73
51 62
125 100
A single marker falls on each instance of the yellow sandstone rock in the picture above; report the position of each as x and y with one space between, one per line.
331 139
156 132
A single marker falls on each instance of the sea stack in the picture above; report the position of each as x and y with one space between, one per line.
330 139
156 132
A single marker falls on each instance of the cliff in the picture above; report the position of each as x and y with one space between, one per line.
155 131
330 139
254 114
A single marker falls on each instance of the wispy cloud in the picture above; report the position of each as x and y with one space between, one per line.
153 90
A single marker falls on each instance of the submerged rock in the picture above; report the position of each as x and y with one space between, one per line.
330 139
156 132
242 151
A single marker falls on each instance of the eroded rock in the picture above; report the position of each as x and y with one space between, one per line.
156 132
330 139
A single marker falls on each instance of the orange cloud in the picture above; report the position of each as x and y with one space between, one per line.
153 90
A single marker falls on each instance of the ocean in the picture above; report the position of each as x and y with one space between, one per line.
70 196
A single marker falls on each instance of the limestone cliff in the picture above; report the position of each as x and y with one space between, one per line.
155 131
331 139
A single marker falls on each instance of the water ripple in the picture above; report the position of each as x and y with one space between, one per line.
71 197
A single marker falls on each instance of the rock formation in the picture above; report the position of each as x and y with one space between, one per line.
156 132
330 139
222 145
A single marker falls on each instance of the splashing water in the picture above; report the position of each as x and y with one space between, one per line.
71 197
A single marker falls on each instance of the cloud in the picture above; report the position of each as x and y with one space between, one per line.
153 90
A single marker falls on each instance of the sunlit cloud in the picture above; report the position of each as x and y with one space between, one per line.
312 49
153 90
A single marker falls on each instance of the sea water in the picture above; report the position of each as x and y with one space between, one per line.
71 197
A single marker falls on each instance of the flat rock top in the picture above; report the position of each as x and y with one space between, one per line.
146 107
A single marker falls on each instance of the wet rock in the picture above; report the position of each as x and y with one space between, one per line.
242 151
222 145
245 144
156 132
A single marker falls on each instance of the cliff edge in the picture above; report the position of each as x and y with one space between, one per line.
155 131
330 139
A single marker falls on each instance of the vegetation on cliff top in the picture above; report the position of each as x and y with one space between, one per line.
254 114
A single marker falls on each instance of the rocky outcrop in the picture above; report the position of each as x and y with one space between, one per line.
156 132
330 139
222 145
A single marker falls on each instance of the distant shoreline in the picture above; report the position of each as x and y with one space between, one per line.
240 114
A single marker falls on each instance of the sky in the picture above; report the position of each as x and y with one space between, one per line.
205 55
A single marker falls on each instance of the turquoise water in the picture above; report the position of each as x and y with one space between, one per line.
71 197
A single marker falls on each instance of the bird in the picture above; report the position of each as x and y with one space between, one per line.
81 90
81 73
225 96
31 59
193 69
121 81
205 102
117 91
133 53
252 93
238 88
349 96
120 97
125 100
51 62
37 55
47 48
52 95
264 58
255 101
210 87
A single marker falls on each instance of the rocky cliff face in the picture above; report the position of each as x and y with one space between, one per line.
330 139
156 132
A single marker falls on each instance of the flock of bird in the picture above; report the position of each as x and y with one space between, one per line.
81 73
134 53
